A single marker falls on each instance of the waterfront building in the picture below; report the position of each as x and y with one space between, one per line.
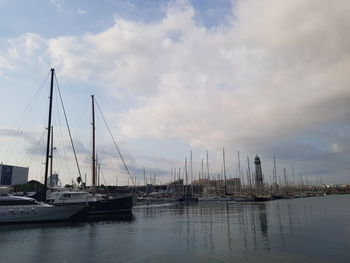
53 180
13 175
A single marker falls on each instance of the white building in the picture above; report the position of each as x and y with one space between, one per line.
53 180
13 175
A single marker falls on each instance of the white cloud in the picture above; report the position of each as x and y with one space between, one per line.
336 148
81 11
58 4
26 51
277 68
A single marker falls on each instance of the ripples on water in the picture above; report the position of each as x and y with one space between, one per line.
300 230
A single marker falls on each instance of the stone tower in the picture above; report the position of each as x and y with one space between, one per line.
258 174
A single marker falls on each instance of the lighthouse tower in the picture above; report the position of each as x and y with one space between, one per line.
258 174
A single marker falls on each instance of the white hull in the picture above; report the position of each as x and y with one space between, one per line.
37 213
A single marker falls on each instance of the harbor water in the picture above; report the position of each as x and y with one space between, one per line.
313 229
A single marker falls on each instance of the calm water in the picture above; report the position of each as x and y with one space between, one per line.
300 230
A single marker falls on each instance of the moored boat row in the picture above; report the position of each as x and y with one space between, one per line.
67 205
62 206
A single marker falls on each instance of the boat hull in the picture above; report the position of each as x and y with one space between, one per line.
188 199
102 209
39 213
111 206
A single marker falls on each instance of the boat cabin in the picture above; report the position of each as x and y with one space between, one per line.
65 197
9 200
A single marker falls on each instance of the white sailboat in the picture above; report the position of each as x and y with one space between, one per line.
19 209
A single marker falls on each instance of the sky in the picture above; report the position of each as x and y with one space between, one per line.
268 78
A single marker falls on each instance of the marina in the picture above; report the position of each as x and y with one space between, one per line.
83 203
174 131
296 230
95 203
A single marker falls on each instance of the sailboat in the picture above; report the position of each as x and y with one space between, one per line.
188 197
20 209
99 206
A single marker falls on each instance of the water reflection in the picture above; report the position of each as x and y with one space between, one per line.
245 225
280 225
210 226
235 226
202 232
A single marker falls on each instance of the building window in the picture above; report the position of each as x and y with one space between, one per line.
6 175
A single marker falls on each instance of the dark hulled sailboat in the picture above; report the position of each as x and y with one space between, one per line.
105 205
98 206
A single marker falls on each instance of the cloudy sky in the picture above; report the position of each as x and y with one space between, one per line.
263 77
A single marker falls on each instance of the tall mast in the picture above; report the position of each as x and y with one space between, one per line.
51 156
186 182
98 171
93 145
223 159
48 135
202 177
191 176
249 175
293 181
208 166
274 171
239 170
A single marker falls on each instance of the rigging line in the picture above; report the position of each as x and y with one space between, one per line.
24 116
78 121
104 180
110 160
120 154
36 154
70 135
61 141
33 149
60 165
114 165
27 161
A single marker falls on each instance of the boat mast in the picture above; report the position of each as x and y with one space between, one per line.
186 180
249 175
93 187
48 136
191 175
98 170
208 176
274 172
285 177
239 171
51 157
202 174
224 169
